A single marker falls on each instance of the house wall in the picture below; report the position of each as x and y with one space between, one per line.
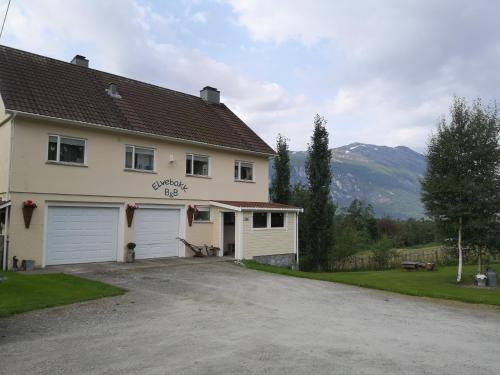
103 181
104 175
272 241
29 243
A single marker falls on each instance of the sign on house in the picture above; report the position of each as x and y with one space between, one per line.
170 187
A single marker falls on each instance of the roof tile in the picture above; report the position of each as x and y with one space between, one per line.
40 85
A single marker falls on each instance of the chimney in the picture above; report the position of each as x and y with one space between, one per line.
80 61
210 95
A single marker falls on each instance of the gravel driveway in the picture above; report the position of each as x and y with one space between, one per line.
219 318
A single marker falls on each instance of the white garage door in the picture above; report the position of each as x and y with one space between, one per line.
155 233
81 235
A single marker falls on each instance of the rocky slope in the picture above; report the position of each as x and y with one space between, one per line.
386 177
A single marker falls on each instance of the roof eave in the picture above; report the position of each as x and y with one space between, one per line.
134 132
267 209
5 204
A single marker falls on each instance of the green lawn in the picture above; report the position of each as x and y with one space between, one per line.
21 293
435 284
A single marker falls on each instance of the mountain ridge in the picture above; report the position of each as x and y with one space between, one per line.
386 177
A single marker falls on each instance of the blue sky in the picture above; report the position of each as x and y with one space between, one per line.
380 72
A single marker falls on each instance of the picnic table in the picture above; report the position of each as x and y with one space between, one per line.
414 266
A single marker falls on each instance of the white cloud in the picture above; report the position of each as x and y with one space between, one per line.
397 63
127 38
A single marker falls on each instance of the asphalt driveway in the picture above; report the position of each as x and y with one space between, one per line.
219 318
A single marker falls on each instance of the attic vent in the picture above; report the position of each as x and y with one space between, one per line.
112 91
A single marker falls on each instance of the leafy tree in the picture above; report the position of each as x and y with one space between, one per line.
280 188
321 209
461 186
362 216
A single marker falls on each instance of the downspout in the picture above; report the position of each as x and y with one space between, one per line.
297 238
9 183
5 236
11 117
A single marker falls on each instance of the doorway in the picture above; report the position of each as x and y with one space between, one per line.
228 234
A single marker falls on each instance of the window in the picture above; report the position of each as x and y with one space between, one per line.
196 165
139 158
260 219
243 171
203 214
268 220
66 150
277 220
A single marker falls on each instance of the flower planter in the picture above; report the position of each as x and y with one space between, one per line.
130 255
28 208
191 210
130 216
131 207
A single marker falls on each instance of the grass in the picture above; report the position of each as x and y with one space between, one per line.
21 293
435 284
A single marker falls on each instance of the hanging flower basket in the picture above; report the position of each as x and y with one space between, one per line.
191 210
28 208
131 207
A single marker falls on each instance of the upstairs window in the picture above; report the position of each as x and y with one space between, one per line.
197 165
139 158
243 171
66 150
202 214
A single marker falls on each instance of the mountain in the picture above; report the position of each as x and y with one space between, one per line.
385 177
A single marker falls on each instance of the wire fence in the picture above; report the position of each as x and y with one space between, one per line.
438 256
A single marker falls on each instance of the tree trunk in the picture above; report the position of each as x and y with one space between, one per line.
460 261
479 261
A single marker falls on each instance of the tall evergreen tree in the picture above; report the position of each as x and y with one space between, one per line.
321 210
280 188
461 186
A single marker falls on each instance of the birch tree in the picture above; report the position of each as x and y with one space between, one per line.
461 186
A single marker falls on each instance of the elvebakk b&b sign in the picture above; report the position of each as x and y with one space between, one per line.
172 187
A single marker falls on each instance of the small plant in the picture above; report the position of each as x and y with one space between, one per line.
29 203
131 245
132 206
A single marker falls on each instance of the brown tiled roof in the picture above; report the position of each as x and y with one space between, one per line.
263 205
43 86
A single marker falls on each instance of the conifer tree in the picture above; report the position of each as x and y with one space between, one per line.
280 188
320 207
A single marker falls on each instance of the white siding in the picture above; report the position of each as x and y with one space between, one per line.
268 241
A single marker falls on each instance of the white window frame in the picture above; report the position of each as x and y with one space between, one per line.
209 160
133 159
268 227
204 208
238 179
58 150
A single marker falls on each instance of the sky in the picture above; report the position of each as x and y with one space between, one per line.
379 71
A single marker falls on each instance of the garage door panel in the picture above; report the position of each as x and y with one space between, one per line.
155 233
81 234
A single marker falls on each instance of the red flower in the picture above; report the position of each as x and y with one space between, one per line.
29 203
